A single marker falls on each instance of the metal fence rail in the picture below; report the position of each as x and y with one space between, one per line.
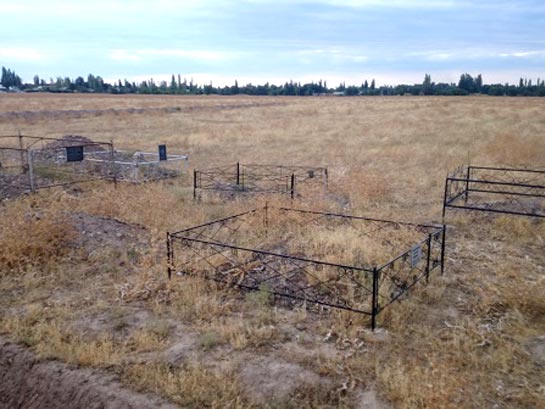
137 167
246 251
254 178
513 191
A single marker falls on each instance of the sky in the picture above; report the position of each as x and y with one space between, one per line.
275 41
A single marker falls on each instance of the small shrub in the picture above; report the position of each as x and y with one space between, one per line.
208 340
260 299
29 238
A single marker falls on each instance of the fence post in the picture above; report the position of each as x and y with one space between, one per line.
169 256
266 218
238 173
467 183
30 170
22 152
135 172
374 309
194 184
112 156
445 197
443 241
185 165
428 259
292 185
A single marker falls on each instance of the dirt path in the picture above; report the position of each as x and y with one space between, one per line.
25 382
78 113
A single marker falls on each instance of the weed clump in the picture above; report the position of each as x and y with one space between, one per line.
190 386
32 238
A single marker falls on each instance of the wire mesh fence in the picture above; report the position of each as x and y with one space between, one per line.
316 259
30 163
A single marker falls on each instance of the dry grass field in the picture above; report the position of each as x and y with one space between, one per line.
83 270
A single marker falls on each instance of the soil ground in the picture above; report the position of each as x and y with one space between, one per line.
86 308
27 382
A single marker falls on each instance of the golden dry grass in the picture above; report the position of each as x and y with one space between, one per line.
32 236
460 342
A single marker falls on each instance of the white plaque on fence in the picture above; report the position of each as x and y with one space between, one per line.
416 255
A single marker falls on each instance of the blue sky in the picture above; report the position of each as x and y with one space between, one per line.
395 41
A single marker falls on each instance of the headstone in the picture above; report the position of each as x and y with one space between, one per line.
74 153
162 152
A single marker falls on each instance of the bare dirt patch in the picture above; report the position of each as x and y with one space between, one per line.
98 233
13 185
72 140
26 382
265 378
536 348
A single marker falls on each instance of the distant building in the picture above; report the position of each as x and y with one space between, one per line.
15 90
327 94
37 89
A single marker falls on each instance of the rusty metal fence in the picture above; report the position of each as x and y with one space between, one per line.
252 178
30 163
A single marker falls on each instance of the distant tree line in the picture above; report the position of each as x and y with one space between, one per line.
467 85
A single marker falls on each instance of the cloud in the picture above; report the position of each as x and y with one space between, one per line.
99 7
524 54
394 3
143 55
334 55
55 7
406 4
436 55
124 56
505 5
474 54
22 54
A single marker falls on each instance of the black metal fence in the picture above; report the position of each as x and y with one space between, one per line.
498 190
30 163
316 259
258 179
